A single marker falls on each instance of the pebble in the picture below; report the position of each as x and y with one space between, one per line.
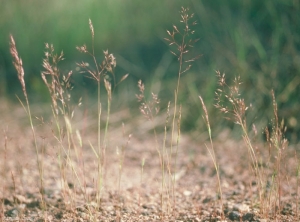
248 217
241 208
234 215
13 212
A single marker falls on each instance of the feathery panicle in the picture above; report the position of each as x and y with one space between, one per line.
206 114
147 108
18 64
91 28
82 49
58 85
183 41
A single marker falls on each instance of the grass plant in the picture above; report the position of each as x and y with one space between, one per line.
279 144
59 88
141 183
182 39
100 75
121 156
212 154
297 186
17 61
149 109
268 184
237 112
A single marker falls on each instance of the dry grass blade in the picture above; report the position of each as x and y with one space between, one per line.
211 151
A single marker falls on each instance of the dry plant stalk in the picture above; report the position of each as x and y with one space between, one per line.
297 185
17 62
59 87
212 154
141 183
121 156
149 109
181 38
278 143
236 112
101 73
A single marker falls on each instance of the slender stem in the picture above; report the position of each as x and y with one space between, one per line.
99 149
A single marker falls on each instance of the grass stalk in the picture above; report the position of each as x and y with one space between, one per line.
148 110
212 154
59 88
17 62
100 173
100 74
182 46
121 155
270 202
237 111
297 186
141 183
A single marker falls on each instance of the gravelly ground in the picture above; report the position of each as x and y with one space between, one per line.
138 198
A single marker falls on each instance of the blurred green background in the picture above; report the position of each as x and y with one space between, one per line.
257 40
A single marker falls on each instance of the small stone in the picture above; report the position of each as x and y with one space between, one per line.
234 215
205 213
20 199
12 213
206 200
248 217
241 208
187 193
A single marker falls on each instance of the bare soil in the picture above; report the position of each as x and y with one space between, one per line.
72 197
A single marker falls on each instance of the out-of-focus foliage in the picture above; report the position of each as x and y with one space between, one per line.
120 27
258 40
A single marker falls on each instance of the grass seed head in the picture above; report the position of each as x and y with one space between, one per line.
17 62
91 28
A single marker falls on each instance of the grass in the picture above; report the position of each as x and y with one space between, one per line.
85 164
269 201
212 154
19 67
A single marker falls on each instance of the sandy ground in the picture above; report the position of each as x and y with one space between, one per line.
70 191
